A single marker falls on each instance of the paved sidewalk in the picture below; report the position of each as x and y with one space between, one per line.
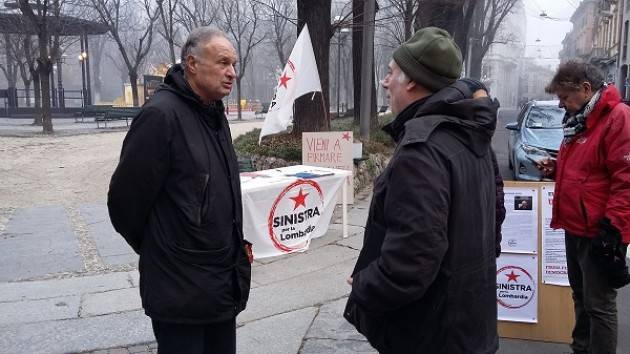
68 126
68 284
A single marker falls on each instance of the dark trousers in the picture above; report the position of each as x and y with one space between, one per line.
595 301
213 338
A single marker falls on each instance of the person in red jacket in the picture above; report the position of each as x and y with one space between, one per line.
592 200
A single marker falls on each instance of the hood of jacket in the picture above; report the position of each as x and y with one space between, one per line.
176 82
473 121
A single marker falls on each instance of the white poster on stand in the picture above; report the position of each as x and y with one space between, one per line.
517 287
554 260
520 228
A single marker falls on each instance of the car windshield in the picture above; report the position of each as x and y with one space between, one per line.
545 117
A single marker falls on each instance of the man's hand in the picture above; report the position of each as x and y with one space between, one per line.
250 253
547 166
349 281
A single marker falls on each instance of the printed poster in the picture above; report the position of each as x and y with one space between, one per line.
517 287
554 260
520 228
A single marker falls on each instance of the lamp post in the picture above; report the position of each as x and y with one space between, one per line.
341 31
82 57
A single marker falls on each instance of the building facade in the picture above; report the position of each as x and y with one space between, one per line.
501 65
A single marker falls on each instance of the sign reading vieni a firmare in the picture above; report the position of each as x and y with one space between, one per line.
329 149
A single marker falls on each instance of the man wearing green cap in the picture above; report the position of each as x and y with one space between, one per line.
425 279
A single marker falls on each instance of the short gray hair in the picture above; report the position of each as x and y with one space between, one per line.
197 38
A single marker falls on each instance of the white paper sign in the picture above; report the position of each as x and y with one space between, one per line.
330 149
554 259
520 228
283 209
517 287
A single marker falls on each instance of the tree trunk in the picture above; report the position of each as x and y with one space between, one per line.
239 109
453 16
27 93
37 93
475 64
44 67
133 79
171 47
357 44
313 115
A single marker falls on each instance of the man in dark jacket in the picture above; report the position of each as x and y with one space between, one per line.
175 197
425 279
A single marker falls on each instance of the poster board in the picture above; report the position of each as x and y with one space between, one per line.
555 305
332 150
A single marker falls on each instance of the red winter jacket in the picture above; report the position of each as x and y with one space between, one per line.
593 172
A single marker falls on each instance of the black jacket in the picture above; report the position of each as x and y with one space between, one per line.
425 279
175 197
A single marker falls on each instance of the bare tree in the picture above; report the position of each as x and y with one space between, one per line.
280 15
396 19
488 18
312 111
12 59
240 21
131 30
454 16
168 21
42 15
196 13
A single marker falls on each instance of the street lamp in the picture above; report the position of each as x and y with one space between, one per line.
82 57
341 31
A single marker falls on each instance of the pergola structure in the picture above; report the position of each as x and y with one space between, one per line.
16 23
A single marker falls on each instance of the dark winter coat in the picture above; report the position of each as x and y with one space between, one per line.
425 279
175 197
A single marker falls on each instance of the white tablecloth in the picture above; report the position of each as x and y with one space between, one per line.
283 209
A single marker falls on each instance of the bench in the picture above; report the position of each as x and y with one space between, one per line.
117 113
91 111
245 164
263 110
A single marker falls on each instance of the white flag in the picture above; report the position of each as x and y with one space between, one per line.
299 77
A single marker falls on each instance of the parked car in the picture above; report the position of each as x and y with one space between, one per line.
535 135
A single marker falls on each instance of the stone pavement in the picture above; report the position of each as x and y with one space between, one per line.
68 284
68 126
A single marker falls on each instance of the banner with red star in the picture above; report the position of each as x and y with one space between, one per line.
299 77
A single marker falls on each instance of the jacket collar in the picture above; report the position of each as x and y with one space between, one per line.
609 99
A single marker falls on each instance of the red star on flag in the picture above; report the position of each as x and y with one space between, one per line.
283 80
512 276
346 136
299 199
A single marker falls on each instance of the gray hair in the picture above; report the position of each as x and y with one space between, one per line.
196 39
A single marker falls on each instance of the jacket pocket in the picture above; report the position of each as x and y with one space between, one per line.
204 199
372 327
220 256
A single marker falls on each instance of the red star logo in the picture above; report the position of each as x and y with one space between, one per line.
512 276
346 136
299 199
283 80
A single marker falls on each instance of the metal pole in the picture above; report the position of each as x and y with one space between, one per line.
338 67
88 82
62 103
366 69
82 61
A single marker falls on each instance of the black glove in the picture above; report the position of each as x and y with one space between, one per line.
608 252
474 85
